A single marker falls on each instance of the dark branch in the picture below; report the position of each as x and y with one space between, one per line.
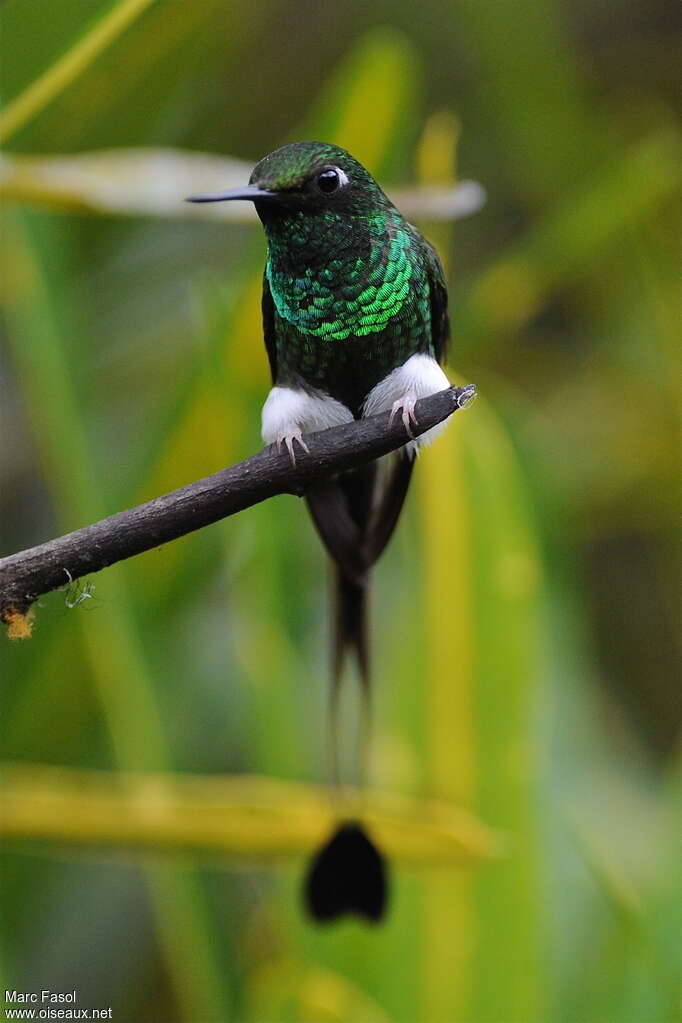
28 574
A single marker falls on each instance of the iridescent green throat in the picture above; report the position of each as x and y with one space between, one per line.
335 277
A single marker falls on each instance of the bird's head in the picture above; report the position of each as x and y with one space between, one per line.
309 178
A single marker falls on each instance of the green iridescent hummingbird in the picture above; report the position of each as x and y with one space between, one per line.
355 322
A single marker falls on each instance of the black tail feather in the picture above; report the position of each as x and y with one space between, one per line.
339 532
355 515
386 511
347 876
351 634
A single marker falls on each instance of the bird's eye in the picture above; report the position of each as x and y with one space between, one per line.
331 180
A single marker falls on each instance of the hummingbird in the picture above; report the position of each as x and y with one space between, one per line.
355 321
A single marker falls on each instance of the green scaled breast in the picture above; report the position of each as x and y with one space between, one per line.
345 289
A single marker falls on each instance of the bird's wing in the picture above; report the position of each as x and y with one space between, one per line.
269 329
440 323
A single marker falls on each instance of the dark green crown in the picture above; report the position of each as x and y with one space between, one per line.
318 175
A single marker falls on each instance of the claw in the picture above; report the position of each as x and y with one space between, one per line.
406 404
288 439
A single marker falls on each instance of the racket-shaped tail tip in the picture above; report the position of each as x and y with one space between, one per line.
347 877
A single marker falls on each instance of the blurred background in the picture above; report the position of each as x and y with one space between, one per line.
164 728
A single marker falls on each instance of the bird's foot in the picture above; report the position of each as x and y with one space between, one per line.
288 439
405 406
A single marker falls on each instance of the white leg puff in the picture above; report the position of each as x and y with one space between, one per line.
289 413
417 378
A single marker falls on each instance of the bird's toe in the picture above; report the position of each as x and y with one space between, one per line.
404 406
287 438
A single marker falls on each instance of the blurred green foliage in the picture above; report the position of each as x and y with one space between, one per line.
525 616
